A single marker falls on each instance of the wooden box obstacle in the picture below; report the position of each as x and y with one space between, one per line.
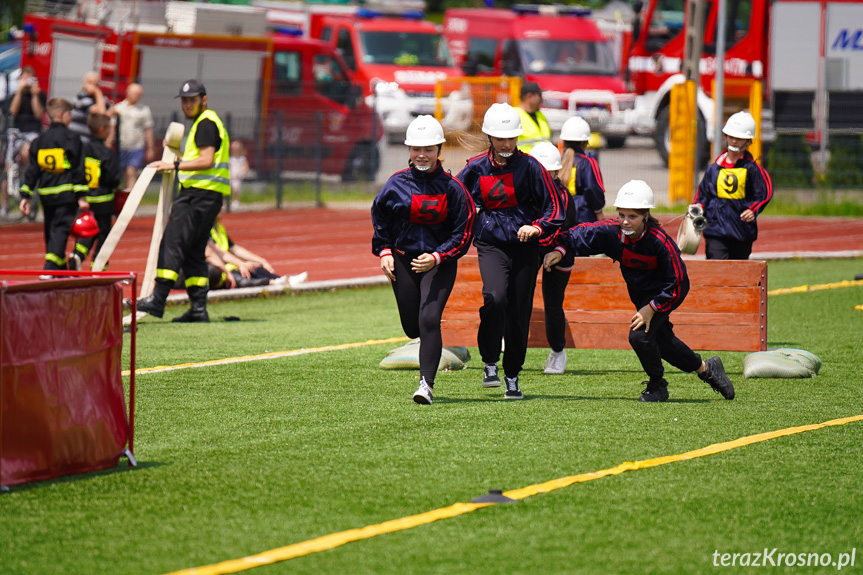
725 310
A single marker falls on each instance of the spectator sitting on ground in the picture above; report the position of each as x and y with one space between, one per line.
225 275
243 267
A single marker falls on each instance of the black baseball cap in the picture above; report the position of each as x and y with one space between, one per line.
530 88
191 88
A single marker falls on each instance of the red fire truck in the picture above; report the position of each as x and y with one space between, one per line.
253 78
394 53
560 48
655 61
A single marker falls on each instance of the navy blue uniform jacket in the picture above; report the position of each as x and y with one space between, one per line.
725 193
586 187
423 212
651 266
521 193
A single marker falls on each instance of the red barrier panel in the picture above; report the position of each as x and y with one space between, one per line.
62 402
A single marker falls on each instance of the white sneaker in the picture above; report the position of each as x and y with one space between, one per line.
297 279
423 395
555 363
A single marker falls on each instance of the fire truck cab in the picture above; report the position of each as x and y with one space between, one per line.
561 49
397 57
253 78
656 58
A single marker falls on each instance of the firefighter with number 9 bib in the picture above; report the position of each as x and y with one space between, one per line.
518 204
733 191
423 222
56 173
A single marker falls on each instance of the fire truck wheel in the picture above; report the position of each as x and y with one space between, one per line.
362 165
662 138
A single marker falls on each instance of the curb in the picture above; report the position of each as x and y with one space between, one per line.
267 291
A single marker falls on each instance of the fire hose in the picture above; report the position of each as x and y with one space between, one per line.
689 234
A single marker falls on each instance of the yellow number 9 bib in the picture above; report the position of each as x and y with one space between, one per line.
731 183
53 161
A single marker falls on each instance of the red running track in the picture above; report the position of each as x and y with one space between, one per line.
335 244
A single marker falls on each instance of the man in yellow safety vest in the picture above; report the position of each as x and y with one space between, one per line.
533 121
204 183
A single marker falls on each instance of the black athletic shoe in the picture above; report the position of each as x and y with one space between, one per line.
513 391
151 305
193 315
716 378
490 377
656 391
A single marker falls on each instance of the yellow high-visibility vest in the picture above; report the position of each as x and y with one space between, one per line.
533 133
216 178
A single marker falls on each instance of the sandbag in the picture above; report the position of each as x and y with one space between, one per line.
407 357
781 363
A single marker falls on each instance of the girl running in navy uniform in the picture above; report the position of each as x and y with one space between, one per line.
656 278
423 222
555 280
518 203
733 191
582 181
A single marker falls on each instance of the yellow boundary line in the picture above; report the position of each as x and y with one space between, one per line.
818 287
337 539
263 356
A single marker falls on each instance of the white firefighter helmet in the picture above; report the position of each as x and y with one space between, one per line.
502 121
635 195
575 129
424 131
548 155
740 125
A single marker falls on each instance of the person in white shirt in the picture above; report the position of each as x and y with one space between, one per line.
137 145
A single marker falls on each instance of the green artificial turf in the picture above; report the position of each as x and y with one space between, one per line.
246 457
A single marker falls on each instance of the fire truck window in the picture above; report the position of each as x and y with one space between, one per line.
566 57
510 62
738 14
287 72
480 55
666 23
326 33
405 49
346 47
331 81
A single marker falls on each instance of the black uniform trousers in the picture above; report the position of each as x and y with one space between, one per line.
726 249
58 224
421 298
660 343
553 289
508 282
104 215
185 239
